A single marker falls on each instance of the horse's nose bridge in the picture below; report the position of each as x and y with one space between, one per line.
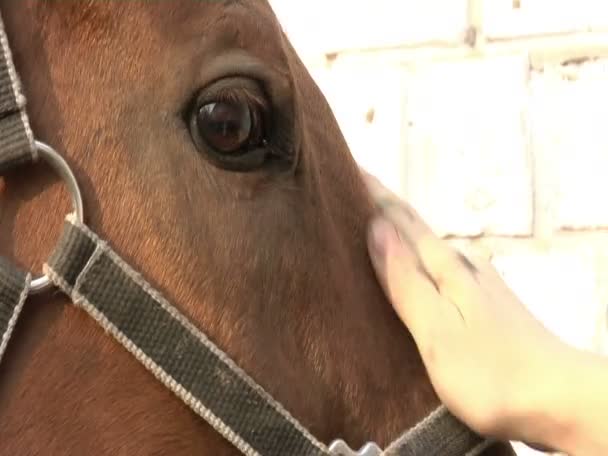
353 283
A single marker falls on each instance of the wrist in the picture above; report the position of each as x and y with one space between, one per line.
565 407
584 407
555 409
541 414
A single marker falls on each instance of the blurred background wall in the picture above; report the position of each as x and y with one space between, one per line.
491 118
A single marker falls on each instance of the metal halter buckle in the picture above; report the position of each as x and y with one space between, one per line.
60 166
341 448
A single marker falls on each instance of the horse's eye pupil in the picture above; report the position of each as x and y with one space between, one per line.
225 126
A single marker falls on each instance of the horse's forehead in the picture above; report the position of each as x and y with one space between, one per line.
146 32
174 17
168 40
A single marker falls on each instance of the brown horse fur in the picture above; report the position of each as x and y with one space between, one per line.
272 264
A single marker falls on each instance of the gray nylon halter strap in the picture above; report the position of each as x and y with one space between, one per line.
165 342
16 148
16 138
439 434
14 287
172 349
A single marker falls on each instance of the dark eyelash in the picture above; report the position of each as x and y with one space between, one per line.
258 104
242 95
256 101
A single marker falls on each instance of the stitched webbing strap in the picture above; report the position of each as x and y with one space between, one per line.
14 286
16 138
197 371
173 350
439 434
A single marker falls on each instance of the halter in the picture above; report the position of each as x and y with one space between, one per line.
159 336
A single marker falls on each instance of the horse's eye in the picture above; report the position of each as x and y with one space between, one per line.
232 125
229 126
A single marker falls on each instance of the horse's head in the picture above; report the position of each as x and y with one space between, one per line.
211 161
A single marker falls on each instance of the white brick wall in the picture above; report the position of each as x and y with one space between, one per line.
466 171
368 104
491 117
542 17
327 26
568 109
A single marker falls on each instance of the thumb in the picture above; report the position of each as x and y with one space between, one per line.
405 283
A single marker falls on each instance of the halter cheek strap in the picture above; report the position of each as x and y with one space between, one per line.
16 138
14 289
16 148
180 356
161 338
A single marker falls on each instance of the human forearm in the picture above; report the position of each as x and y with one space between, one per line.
585 411
570 414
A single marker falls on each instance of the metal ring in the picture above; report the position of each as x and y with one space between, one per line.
340 448
60 166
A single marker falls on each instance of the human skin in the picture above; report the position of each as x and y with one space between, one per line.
491 362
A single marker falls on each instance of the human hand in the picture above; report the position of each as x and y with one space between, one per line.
485 353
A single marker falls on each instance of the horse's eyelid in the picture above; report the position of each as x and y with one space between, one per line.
185 111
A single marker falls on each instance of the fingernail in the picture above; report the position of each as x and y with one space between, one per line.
382 235
370 180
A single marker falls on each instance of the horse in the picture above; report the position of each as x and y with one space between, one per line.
256 230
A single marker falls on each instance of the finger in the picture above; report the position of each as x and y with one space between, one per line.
384 197
485 272
364 172
468 264
450 269
457 279
398 210
412 294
